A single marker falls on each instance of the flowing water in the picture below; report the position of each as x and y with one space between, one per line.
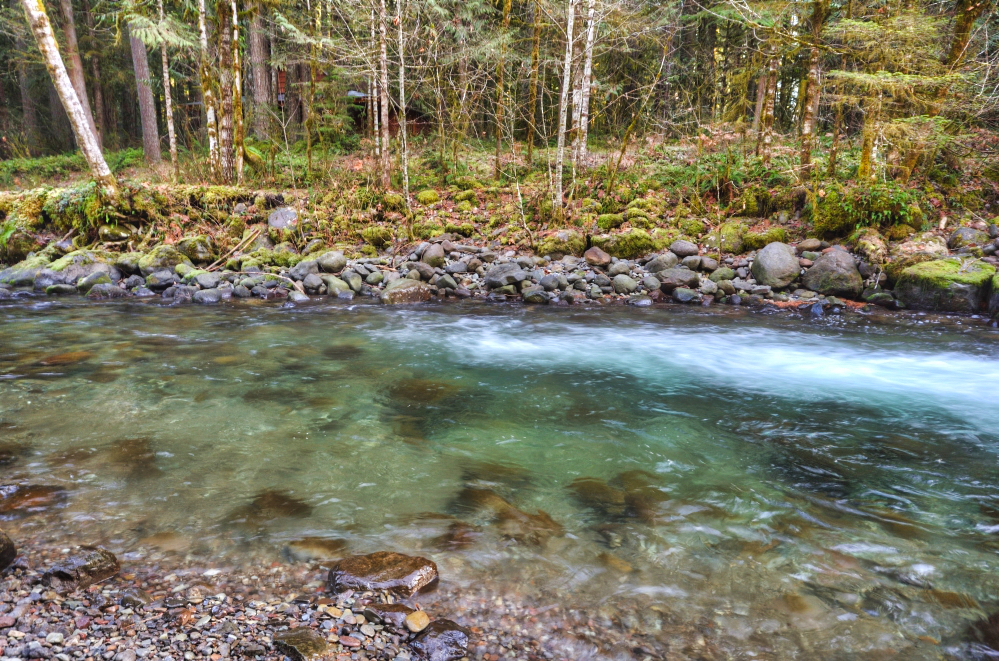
791 488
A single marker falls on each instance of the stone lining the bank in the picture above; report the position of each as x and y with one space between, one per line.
928 273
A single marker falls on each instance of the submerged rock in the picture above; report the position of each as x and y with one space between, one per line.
270 505
7 551
394 572
83 567
442 640
106 291
315 548
391 614
23 500
945 285
302 644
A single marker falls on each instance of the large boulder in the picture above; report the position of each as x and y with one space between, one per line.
672 278
562 243
776 265
81 263
332 261
835 274
967 236
23 273
196 248
924 248
405 290
946 285
403 575
161 257
505 274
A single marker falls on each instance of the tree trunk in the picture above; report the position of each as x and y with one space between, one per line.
765 144
34 10
239 131
865 168
809 108
584 104
532 104
74 64
967 12
761 95
383 94
403 137
258 64
500 71
168 102
147 107
563 103
227 87
59 133
208 94
834 149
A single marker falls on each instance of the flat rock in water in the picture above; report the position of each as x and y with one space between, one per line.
106 291
442 640
22 500
392 614
304 644
384 570
7 551
83 567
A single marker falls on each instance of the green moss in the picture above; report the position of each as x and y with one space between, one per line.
427 230
627 245
731 236
757 240
465 229
376 235
899 232
467 183
844 209
950 285
608 221
662 237
81 258
393 202
466 196
692 226
634 213
463 207
428 197
943 272
270 257
747 205
563 242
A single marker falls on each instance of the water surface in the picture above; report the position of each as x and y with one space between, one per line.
792 488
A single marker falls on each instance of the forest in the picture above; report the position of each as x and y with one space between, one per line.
830 115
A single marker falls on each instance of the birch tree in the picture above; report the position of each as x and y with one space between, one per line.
403 138
563 103
383 85
74 63
168 101
208 93
41 28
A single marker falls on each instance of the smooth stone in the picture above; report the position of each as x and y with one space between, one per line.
334 285
161 280
624 284
302 269
86 283
442 640
394 572
392 614
776 265
535 295
106 291
693 262
620 267
809 244
61 290
417 621
313 283
967 236
685 295
207 296
208 280
596 257
332 261
724 273
446 282
296 296
433 255
550 282
662 262
404 291
682 248
162 257
651 283
675 277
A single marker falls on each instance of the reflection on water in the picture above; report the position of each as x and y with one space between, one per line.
790 488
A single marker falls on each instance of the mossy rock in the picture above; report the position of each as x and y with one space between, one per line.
161 257
759 240
463 207
633 213
626 245
464 229
747 204
377 236
427 230
609 221
277 256
899 232
428 197
730 235
946 285
871 246
898 265
663 237
393 202
467 183
589 205
466 196
561 243
17 243
197 248
692 226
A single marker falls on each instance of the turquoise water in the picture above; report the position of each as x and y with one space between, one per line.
787 484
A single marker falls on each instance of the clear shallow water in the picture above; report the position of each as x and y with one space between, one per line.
789 487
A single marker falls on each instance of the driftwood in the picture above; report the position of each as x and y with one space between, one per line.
239 246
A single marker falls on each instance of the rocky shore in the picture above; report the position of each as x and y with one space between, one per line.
936 271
